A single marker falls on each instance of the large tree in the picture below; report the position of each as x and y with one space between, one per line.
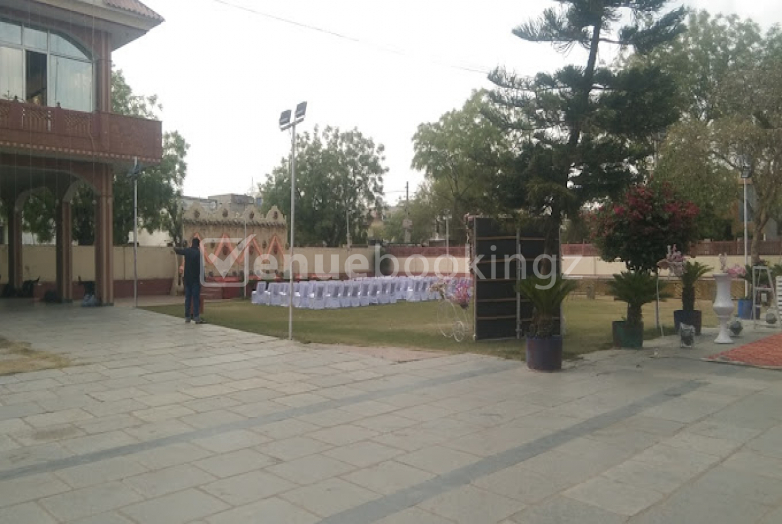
729 76
460 155
339 183
423 210
159 187
588 129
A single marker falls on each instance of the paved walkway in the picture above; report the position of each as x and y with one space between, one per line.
162 422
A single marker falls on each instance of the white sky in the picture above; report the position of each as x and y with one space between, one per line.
224 74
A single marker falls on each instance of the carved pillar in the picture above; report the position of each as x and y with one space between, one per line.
15 267
63 225
104 238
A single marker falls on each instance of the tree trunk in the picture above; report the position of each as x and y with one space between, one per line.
759 222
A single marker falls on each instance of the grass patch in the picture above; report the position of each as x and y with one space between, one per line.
19 357
414 325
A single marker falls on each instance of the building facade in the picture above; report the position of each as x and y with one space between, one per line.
57 131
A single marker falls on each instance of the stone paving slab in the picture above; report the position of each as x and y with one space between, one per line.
158 421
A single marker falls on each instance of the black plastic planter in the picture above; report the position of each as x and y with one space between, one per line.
544 354
630 337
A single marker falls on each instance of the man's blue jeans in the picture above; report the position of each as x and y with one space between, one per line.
193 296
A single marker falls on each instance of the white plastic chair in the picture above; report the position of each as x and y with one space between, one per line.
257 296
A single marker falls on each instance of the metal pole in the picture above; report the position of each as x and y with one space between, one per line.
247 277
135 241
293 229
447 237
746 238
448 246
347 223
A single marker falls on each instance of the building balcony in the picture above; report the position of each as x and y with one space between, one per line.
53 132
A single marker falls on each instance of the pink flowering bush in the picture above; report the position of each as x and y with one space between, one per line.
637 227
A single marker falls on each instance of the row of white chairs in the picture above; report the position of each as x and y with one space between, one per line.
346 293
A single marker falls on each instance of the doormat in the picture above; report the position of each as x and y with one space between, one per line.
765 353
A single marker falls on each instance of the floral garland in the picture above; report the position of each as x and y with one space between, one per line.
461 294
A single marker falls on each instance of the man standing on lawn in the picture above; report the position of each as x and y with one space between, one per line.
192 280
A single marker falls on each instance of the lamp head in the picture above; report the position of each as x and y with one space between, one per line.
285 118
301 110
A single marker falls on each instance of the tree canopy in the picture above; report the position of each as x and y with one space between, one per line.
587 129
729 92
339 183
460 156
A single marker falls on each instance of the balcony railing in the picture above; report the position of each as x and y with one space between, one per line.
62 133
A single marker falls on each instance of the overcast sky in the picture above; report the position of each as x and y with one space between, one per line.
224 73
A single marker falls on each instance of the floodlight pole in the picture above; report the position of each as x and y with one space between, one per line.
286 122
293 228
135 242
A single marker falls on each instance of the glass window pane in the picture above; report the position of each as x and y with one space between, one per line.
35 39
62 46
71 84
11 73
10 32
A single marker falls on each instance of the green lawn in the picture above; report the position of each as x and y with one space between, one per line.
414 325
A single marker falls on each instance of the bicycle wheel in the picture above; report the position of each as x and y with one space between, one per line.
445 318
459 330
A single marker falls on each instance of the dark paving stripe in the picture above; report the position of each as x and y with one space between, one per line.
406 498
255 422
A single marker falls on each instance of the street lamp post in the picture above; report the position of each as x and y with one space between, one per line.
286 122
746 174
134 174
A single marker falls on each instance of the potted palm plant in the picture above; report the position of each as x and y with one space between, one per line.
691 273
544 343
635 288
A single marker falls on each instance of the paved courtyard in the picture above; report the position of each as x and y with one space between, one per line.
161 422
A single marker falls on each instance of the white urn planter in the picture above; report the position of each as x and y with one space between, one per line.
723 307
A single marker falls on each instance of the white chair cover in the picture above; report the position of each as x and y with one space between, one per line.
301 297
355 294
374 293
333 293
384 297
319 296
258 294
274 294
364 293
344 297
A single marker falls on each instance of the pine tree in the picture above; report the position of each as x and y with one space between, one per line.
587 131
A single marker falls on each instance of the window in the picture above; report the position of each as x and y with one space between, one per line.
36 78
45 68
71 83
11 73
11 33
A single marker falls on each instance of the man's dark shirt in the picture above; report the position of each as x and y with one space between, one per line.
192 264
